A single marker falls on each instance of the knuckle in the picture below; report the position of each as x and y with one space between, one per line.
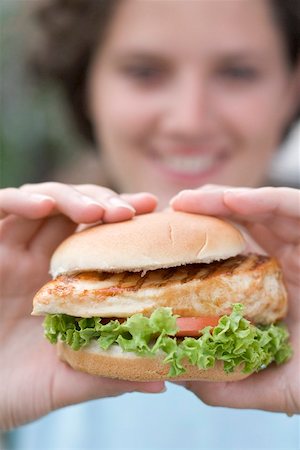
5 227
7 191
46 186
84 186
204 395
52 185
26 186
95 190
210 186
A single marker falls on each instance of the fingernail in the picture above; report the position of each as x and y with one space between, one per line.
41 197
179 195
142 194
210 187
153 387
119 203
238 191
148 391
90 201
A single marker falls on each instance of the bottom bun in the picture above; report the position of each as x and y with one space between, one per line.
114 363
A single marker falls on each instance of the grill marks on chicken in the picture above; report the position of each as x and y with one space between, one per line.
190 290
174 275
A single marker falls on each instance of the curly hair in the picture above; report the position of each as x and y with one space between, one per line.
70 30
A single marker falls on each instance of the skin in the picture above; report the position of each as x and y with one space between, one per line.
170 87
34 219
272 218
190 108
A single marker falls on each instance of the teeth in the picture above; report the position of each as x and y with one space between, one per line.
189 164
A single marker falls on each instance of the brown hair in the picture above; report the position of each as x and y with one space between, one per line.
69 31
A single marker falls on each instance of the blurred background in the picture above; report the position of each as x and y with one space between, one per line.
37 138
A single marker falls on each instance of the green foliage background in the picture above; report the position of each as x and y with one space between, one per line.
35 134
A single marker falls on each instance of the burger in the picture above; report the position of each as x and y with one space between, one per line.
166 295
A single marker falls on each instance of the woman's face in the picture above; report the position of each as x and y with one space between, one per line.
187 93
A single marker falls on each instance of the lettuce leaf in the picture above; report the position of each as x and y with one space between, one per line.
234 341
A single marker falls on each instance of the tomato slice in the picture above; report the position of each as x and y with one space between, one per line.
191 326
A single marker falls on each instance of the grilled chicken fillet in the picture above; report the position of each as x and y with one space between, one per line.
190 290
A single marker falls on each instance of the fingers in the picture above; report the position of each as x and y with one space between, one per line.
24 210
50 234
206 200
139 203
29 205
114 207
221 200
16 231
81 203
69 201
143 202
267 390
264 201
278 209
93 387
40 201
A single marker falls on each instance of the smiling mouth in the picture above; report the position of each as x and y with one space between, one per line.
189 165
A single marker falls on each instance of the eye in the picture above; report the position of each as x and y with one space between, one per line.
144 74
241 73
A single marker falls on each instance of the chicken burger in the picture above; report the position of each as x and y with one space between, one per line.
167 295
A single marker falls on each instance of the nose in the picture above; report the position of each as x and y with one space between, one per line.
189 112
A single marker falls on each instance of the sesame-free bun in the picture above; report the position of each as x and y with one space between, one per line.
148 242
114 363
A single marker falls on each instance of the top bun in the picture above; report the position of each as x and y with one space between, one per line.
148 242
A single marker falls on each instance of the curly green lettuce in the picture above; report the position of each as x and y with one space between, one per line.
234 341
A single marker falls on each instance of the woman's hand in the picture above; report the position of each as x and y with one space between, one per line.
33 221
271 216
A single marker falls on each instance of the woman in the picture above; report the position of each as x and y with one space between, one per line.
176 95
